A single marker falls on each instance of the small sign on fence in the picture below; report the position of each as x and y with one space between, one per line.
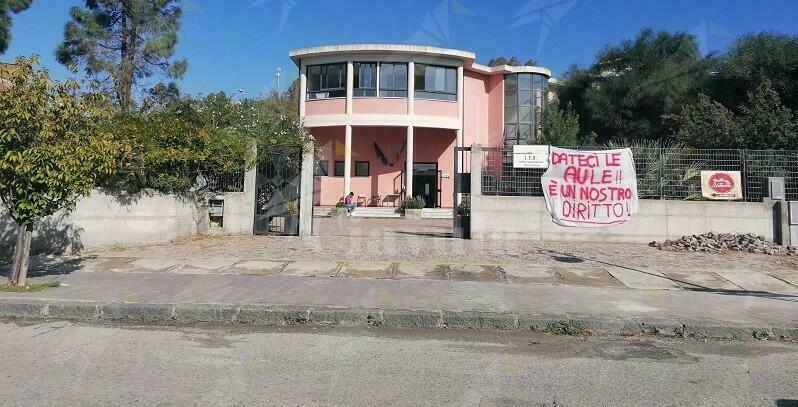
590 188
530 156
721 185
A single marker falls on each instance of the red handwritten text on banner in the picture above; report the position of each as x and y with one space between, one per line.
590 188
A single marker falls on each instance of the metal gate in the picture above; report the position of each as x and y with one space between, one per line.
462 191
277 192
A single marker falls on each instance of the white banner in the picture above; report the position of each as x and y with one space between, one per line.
590 188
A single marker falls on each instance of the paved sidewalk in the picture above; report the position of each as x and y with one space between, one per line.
436 258
423 281
363 245
594 274
407 303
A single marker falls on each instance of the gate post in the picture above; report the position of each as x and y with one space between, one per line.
476 171
306 191
476 192
249 194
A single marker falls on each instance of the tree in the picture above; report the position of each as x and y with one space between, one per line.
52 151
497 61
766 122
560 126
170 145
173 145
513 61
632 86
763 122
6 8
752 59
121 42
571 91
160 96
707 124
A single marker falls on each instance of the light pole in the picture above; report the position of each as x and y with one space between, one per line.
277 75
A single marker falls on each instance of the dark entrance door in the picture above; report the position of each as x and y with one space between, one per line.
277 192
425 183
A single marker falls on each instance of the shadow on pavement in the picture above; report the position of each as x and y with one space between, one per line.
43 266
447 235
570 258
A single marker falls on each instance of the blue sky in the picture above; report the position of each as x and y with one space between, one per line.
238 44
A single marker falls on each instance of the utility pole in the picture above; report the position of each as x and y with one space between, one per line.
277 74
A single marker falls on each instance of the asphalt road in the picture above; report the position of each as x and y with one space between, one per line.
63 363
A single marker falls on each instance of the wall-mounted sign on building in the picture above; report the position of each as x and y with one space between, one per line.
590 188
530 156
721 185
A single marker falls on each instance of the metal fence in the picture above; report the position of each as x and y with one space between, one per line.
225 182
662 173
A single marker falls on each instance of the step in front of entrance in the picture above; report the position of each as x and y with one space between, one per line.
437 213
379 212
369 212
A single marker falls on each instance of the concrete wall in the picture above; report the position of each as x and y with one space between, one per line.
106 219
476 109
238 216
509 217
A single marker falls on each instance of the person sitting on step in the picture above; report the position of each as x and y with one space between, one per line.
349 201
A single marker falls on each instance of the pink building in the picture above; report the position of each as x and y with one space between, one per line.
381 112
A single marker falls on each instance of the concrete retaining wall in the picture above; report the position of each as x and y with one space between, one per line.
106 219
237 213
510 217
113 218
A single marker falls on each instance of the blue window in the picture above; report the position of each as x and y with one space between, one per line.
393 79
365 77
435 82
326 81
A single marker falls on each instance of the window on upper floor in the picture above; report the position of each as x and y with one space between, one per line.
435 82
365 79
361 168
326 81
393 80
338 170
523 104
322 168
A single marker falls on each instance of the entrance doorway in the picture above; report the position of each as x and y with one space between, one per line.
425 183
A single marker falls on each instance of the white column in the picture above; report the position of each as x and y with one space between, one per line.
303 88
378 79
460 105
350 82
460 132
411 88
250 196
409 169
348 160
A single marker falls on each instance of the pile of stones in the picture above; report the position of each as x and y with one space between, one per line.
720 242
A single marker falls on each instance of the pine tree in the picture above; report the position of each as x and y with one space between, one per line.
6 8
120 42
766 122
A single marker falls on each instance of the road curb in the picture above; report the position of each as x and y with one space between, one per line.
282 315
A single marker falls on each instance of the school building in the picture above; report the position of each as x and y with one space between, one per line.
387 118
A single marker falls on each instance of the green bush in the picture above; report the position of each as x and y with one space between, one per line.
464 207
414 203
292 208
171 147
